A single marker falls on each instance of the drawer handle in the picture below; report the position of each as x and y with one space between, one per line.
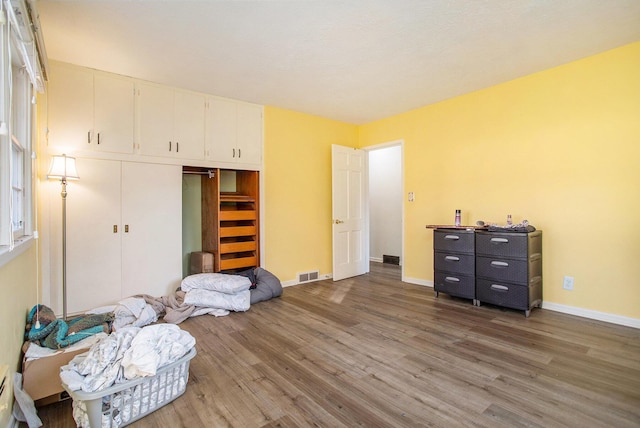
500 240
497 287
499 264
452 258
452 237
451 279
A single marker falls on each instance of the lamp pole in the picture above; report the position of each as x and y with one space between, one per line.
64 247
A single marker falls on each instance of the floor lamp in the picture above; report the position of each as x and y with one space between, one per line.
63 168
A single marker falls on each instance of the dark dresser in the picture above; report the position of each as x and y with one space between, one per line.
454 262
509 269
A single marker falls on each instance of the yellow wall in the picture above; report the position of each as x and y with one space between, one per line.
560 148
297 186
18 285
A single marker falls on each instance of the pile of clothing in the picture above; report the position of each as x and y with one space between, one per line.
200 294
126 354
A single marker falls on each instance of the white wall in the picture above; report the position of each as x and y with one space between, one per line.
385 202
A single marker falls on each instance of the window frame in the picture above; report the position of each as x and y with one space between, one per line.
17 119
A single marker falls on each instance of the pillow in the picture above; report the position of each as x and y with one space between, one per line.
267 286
221 282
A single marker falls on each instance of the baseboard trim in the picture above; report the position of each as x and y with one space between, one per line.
375 259
292 282
418 281
595 315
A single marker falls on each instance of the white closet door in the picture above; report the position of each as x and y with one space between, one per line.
222 130
70 99
93 248
155 120
189 125
114 114
152 214
249 133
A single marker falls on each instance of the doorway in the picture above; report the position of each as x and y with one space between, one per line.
385 203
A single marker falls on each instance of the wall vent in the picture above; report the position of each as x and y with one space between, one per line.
308 276
393 260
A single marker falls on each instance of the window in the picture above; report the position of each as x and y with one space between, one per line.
18 60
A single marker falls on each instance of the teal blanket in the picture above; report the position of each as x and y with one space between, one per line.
56 333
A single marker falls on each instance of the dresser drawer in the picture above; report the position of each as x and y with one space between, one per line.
464 264
454 284
457 241
502 244
502 294
509 270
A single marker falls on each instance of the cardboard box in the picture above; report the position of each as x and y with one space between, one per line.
200 262
41 377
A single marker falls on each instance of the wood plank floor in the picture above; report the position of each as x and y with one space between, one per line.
373 351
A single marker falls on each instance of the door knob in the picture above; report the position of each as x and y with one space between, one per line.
339 221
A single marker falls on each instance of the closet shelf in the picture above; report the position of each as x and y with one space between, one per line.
235 197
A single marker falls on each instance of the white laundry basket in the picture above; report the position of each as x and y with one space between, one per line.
124 403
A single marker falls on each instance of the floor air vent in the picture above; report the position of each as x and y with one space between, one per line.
393 260
308 276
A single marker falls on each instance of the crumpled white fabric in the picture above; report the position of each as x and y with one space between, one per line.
133 311
35 351
238 302
155 346
224 283
101 367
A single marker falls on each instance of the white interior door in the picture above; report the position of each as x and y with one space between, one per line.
349 214
93 236
151 228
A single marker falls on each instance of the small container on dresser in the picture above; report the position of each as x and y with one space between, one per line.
454 262
509 269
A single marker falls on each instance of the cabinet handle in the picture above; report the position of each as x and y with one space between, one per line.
88 137
499 240
499 264
115 228
452 279
452 258
239 154
126 228
497 287
177 147
452 237
98 138
169 145
234 153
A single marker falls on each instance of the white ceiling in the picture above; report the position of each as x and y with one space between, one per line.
354 60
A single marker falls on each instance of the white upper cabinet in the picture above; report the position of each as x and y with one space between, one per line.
89 111
234 132
170 122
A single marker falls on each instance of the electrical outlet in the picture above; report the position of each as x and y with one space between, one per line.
567 283
412 197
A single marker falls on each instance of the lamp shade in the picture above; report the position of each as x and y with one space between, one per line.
63 168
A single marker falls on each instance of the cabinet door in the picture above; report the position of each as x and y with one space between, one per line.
249 134
155 120
93 246
113 114
189 125
221 130
70 114
152 214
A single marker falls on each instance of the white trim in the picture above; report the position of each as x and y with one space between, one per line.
20 246
292 282
375 259
591 314
418 281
